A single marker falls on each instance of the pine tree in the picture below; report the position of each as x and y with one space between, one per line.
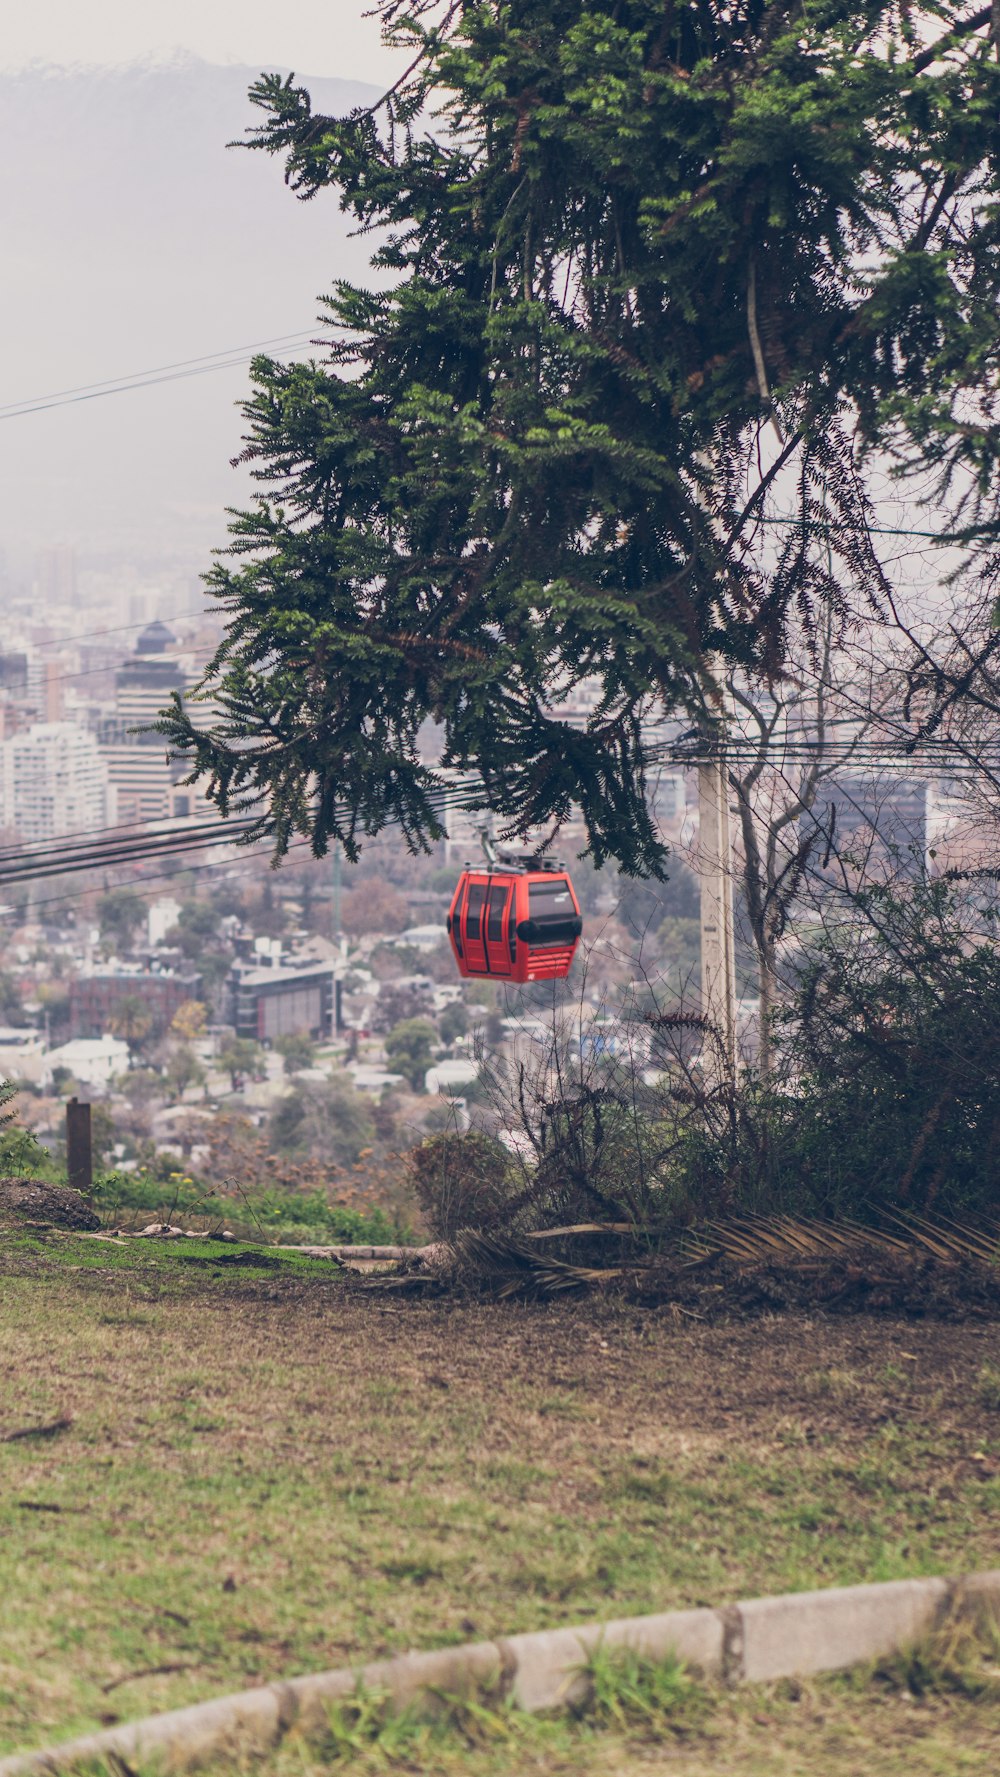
623 245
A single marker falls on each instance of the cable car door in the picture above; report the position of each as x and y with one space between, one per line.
498 914
473 922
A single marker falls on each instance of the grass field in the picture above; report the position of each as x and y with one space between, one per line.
221 1465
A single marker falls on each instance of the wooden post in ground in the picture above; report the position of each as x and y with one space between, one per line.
79 1159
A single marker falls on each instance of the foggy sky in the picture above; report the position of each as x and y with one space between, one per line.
324 36
132 238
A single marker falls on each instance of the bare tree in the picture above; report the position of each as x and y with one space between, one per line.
950 713
788 738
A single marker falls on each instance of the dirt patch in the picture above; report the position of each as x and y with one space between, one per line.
32 1203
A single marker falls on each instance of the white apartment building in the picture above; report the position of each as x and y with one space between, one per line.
54 781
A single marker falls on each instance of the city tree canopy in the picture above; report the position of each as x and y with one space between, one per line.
638 266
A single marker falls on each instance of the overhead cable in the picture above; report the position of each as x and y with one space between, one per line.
228 359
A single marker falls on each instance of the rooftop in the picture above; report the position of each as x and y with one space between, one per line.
156 638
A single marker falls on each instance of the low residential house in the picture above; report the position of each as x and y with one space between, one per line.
23 1057
374 1079
448 1077
94 1061
428 937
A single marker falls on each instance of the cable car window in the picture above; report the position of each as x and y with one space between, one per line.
552 916
474 917
494 921
550 904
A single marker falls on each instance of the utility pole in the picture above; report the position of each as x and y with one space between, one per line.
336 891
718 956
715 867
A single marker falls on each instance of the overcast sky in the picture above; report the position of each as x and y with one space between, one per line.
129 241
312 36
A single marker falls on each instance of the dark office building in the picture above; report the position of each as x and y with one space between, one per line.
265 1003
14 674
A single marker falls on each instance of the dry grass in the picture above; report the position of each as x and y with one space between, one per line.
267 1473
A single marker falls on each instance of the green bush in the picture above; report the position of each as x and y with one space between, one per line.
277 1213
409 1049
886 1090
22 1154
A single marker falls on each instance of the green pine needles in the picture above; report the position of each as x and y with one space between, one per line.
639 267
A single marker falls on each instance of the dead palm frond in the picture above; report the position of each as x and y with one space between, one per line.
828 1260
756 1240
514 1268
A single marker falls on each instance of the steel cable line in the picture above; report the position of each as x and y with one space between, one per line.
90 840
126 389
227 358
80 836
160 876
122 834
115 629
140 837
71 866
233 356
79 853
137 844
90 848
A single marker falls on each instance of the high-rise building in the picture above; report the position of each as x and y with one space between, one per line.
142 604
13 693
45 689
54 781
876 816
13 675
57 576
137 760
31 690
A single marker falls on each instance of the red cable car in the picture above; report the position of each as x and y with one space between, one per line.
516 919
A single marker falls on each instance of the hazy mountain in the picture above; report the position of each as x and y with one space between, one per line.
130 238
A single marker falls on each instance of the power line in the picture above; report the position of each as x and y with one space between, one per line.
141 379
137 853
115 629
92 851
160 876
233 356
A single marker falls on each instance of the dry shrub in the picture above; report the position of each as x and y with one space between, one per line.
241 1159
460 1181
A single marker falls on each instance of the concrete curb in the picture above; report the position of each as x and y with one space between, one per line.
759 1639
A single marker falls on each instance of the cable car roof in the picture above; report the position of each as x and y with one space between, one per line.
519 864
